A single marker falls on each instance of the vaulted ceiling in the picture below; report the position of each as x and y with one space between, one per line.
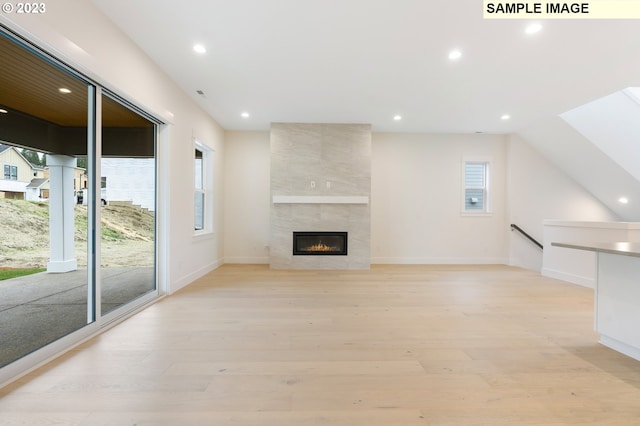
369 60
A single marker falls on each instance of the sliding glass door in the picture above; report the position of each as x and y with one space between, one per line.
77 202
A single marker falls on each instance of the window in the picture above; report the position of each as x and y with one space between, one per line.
199 195
476 187
203 177
10 172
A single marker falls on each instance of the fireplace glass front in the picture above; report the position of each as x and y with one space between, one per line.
320 243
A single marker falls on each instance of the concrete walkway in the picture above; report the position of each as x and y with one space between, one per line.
37 309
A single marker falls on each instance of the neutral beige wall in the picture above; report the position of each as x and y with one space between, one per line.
246 197
417 200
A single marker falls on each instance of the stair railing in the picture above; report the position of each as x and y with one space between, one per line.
520 230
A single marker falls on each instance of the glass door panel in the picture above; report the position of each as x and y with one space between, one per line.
128 170
44 280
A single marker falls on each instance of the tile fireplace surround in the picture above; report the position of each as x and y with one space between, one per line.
320 181
320 243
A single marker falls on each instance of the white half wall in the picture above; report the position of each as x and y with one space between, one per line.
580 266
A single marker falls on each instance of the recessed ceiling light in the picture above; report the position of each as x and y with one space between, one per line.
623 200
397 117
199 48
505 117
3 111
64 90
533 28
245 115
455 54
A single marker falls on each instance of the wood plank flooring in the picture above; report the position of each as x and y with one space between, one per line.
391 346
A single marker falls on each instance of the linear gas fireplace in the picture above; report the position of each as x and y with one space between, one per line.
320 243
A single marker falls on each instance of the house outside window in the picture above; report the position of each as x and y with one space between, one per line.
476 187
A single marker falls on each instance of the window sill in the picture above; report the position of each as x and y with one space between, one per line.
476 214
203 235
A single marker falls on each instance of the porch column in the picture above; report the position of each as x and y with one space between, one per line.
61 214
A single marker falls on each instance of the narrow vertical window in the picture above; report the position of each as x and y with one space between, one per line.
476 186
203 184
199 194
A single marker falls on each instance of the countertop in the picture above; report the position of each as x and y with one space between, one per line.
622 248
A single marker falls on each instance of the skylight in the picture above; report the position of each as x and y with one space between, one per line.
612 124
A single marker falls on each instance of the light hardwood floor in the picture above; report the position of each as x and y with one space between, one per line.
392 346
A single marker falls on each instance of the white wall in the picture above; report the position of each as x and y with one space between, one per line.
101 51
246 197
537 191
416 200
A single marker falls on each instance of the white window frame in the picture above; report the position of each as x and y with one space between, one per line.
206 190
487 206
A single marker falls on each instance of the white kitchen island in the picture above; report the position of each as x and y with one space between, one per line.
617 294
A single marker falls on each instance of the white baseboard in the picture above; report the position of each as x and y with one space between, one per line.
188 279
574 279
621 347
247 260
439 261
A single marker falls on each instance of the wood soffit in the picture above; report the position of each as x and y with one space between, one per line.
30 84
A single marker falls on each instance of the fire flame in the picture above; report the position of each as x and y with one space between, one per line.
321 247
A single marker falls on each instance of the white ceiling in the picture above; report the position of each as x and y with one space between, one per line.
368 60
